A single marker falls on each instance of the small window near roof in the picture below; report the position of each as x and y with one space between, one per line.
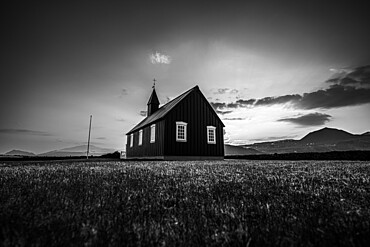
181 131
131 140
140 137
152 133
211 135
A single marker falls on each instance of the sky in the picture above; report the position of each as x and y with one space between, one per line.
271 69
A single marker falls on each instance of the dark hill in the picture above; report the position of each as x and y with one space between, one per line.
327 135
77 151
323 140
16 152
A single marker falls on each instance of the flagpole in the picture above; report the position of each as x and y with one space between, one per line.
88 140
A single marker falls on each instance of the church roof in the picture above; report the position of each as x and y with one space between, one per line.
162 111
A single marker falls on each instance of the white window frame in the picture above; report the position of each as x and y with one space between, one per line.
152 133
213 130
131 140
178 124
140 137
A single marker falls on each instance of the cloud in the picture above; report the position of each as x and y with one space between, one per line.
101 138
123 92
361 74
24 132
226 90
120 119
222 90
238 103
312 119
158 58
349 87
223 112
231 105
236 118
143 113
165 99
334 97
278 100
218 105
245 103
358 77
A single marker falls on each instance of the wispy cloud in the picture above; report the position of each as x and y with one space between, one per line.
158 58
218 105
24 132
278 100
223 112
311 119
143 113
123 93
234 119
101 138
226 90
222 90
120 120
243 103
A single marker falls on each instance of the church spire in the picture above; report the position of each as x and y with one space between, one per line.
153 103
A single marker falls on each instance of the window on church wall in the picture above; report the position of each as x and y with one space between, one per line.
140 137
211 135
181 131
152 133
131 140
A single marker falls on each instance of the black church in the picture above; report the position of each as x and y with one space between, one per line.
186 128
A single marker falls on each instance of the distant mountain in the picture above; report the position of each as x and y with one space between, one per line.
78 151
19 153
327 135
323 140
239 150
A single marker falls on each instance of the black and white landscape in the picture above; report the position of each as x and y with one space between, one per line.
272 70
90 88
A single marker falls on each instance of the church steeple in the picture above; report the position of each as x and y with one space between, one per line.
153 103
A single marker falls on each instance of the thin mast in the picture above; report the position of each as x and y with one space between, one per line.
88 140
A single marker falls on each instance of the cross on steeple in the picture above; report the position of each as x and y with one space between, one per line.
154 80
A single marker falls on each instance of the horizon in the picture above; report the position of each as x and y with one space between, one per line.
271 70
230 144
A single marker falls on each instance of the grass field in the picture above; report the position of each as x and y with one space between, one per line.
239 203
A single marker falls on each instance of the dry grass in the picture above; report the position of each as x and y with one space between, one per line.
256 203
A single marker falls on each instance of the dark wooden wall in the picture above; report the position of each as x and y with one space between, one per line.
147 149
198 114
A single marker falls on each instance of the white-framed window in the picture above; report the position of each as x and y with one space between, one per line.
152 133
181 131
140 137
132 140
211 134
